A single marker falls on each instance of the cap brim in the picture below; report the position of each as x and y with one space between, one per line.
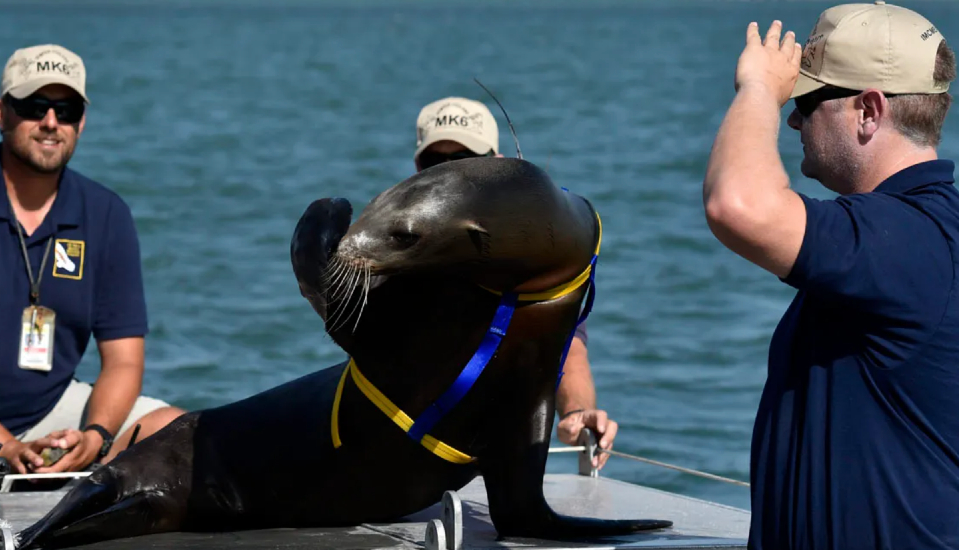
32 86
804 85
468 139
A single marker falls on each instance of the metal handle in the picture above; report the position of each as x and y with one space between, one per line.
588 439
6 536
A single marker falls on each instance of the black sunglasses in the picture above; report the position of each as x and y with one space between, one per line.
808 103
35 107
431 158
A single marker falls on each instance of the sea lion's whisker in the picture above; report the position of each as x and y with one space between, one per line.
353 281
344 283
336 295
338 273
366 294
332 267
342 293
341 267
354 296
357 301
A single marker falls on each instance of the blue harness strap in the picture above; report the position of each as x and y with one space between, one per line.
425 422
428 419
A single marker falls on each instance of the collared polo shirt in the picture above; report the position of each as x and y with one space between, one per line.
94 287
856 439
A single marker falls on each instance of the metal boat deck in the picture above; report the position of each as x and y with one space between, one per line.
697 523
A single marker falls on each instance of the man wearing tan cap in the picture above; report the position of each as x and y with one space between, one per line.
70 267
455 128
856 440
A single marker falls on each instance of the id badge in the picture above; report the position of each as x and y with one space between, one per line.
36 338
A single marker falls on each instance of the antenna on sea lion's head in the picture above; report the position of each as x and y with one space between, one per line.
519 154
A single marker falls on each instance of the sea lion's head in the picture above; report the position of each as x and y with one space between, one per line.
498 223
475 218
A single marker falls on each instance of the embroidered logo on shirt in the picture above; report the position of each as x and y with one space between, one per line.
68 257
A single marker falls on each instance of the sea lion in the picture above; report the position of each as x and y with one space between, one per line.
410 291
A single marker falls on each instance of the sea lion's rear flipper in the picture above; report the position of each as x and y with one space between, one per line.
513 475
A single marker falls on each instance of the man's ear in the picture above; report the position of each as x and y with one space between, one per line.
873 112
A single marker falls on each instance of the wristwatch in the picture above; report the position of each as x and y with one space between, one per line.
107 439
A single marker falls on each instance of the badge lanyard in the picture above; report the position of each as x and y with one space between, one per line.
36 341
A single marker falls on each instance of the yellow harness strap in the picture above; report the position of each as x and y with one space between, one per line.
565 288
399 417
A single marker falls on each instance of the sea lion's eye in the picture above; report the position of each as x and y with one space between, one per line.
404 239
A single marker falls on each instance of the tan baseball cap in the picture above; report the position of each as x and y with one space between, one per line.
879 45
457 119
30 69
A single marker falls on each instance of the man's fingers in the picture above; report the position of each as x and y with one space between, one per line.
17 464
31 457
63 439
772 35
568 430
66 462
796 59
596 419
43 442
51 442
789 45
752 34
600 460
607 441
61 465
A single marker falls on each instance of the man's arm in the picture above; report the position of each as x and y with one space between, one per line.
576 403
749 205
113 396
119 384
576 391
120 324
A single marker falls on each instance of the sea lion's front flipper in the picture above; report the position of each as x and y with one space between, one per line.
87 498
513 474
131 517
315 238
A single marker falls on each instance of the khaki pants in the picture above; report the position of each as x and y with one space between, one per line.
71 412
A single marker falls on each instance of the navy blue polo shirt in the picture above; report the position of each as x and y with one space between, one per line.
856 440
581 332
99 291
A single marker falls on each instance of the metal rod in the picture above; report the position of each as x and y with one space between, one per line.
582 448
6 481
15 477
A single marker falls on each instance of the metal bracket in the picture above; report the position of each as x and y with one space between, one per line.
447 533
6 535
588 439
435 535
453 520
